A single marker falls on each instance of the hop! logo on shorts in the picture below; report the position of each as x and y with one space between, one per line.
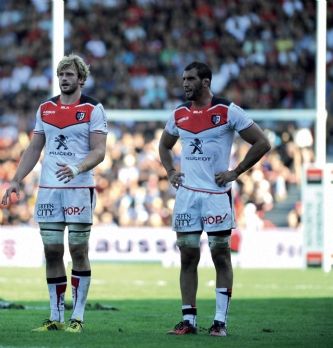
73 210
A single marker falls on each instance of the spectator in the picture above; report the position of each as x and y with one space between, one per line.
136 58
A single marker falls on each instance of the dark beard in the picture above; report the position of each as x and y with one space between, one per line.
196 93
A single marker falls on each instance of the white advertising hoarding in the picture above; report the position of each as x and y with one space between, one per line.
21 247
271 248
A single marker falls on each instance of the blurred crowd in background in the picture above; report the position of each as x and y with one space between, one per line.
262 54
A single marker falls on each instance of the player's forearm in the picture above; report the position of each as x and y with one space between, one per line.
94 158
96 154
27 163
255 153
166 160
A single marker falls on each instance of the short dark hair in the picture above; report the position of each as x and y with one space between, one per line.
203 70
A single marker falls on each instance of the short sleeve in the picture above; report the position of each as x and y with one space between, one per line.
238 118
39 123
98 122
171 127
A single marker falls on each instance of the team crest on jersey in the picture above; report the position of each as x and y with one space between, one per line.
216 119
80 115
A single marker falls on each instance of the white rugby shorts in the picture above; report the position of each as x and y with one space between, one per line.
65 205
202 211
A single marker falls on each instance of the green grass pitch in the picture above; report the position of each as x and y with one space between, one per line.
269 308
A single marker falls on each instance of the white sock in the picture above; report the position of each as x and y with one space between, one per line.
57 288
80 288
223 296
190 314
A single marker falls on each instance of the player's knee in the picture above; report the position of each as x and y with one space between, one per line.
54 253
52 233
188 241
220 243
189 246
220 251
78 234
77 238
79 252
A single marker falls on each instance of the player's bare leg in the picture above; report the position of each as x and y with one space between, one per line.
189 258
79 254
52 234
81 273
54 256
56 281
57 284
224 280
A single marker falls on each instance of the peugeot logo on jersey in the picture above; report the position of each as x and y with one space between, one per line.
197 146
216 119
80 115
61 149
61 140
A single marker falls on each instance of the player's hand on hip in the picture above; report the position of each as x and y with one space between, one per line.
66 172
13 188
176 179
223 178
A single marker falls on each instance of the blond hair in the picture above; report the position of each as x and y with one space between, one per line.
74 61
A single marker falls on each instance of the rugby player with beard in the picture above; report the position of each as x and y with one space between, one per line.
71 128
206 125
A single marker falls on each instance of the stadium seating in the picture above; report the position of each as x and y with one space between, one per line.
262 54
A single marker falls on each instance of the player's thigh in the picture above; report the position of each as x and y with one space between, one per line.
217 213
52 234
48 206
219 245
219 240
78 235
79 205
190 240
189 246
186 212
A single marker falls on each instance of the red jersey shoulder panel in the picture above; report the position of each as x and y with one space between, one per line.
62 116
199 120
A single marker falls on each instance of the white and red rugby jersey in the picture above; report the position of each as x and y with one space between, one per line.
66 129
206 136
